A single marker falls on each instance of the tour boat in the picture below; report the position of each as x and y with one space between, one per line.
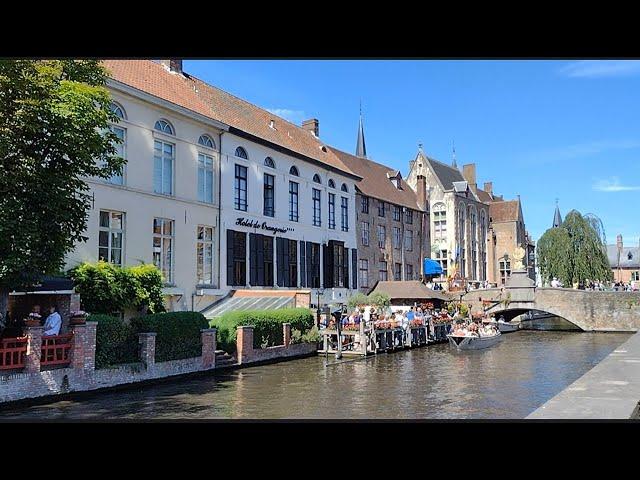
473 343
504 327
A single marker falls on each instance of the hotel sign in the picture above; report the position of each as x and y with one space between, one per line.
245 222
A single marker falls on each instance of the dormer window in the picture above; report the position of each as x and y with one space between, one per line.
629 256
272 124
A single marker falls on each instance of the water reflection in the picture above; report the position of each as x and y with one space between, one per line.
509 380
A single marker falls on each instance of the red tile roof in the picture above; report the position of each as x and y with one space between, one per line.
194 94
505 211
375 182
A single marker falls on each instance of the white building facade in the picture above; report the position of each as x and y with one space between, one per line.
164 208
287 222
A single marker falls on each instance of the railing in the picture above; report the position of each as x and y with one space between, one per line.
56 349
12 352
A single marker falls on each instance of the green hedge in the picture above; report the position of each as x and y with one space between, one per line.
267 326
116 341
178 333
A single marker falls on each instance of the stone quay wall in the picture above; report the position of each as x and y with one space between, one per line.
36 380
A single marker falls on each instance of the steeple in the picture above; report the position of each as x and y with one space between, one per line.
361 148
453 163
557 219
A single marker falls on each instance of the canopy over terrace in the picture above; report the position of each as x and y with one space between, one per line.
409 292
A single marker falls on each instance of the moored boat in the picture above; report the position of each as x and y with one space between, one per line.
468 342
506 327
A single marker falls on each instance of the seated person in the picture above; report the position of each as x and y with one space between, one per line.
53 323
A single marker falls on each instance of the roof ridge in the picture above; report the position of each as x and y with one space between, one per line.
390 169
299 127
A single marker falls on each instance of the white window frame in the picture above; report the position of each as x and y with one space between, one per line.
168 279
202 166
200 261
162 174
110 230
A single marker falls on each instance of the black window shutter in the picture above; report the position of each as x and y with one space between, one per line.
310 265
260 260
328 266
230 258
346 267
285 261
280 260
253 259
303 271
354 268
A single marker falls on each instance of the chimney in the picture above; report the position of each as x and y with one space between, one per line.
421 192
313 126
174 64
469 174
488 187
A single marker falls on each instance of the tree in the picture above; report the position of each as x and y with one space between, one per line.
54 133
574 252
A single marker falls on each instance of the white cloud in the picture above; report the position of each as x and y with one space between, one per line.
294 116
613 185
600 68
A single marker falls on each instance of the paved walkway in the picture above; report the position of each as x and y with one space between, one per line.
610 390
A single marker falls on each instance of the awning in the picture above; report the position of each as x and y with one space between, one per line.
48 286
431 267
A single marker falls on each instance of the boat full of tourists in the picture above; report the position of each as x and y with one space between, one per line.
474 337
502 325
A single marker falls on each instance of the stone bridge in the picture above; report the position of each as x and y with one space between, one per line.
588 310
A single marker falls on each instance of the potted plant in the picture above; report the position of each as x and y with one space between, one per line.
33 320
78 318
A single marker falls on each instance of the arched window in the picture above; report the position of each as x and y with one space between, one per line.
439 214
344 187
294 171
268 162
164 126
118 110
473 232
206 141
242 153
316 178
332 184
461 241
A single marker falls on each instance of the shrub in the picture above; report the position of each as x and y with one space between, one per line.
178 333
107 288
116 341
358 299
267 326
312 336
379 299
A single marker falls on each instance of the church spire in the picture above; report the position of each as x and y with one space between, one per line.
557 219
361 148
453 163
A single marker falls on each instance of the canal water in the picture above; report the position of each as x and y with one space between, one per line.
509 380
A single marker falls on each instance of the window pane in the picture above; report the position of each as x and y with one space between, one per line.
157 225
168 227
157 174
116 240
103 254
116 256
209 186
104 219
167 180
103 238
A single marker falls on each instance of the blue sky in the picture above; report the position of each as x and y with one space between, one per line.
541 129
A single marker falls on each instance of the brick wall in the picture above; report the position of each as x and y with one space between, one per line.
247 354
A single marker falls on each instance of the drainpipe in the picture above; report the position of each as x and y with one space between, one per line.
220 207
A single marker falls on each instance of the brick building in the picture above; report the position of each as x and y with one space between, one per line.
391 221
624 261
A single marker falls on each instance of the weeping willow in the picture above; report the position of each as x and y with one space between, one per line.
575 252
